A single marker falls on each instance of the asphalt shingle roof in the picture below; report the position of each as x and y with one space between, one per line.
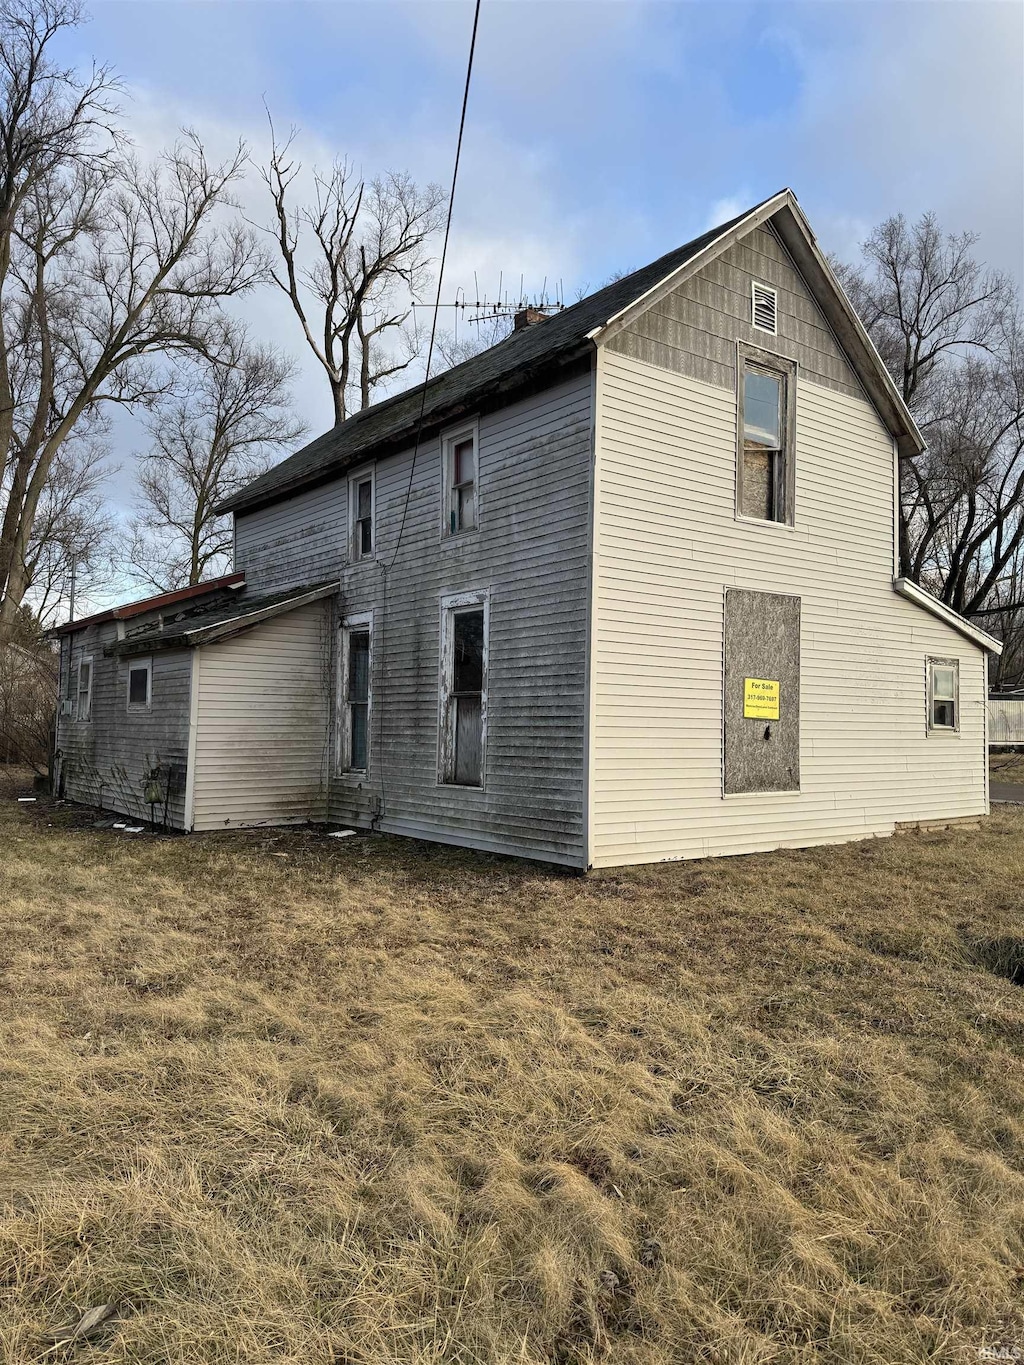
510 364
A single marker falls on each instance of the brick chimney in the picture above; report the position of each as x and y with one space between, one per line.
527 317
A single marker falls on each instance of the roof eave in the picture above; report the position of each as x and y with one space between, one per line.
905 587
403 439
222 630
786 215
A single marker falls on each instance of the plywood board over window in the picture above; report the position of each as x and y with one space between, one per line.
761 705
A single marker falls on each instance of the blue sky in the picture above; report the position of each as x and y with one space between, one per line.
601 133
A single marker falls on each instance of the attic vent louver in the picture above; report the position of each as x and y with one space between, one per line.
764 306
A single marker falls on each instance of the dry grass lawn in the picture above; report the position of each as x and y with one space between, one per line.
1007 766
283 1098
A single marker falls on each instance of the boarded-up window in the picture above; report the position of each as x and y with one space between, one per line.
765 474
762 692
464 692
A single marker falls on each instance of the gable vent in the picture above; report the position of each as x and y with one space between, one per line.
765 308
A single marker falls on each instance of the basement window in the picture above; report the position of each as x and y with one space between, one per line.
764 305
463 689
460 479
84 710
943 694
355 694
140 684
765 474
361 504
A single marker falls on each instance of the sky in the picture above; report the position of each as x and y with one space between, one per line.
600 133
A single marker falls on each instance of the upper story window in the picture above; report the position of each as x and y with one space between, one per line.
140 684
84 698
361 515
460 481
943 694
765 480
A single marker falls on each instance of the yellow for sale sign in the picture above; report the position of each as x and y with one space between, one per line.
761 697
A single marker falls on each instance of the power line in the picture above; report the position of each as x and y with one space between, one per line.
387 567
440 278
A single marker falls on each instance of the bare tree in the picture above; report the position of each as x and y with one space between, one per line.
217 430
451 350
351 262
70 548
950 334
106 266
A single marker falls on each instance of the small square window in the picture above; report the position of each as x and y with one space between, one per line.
361 516
460 482
943 694
140 684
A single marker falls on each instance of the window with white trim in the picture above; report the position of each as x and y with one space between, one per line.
354 691
140 684
460 481
943 694
84 689
464 619
765 479
361 498
764 307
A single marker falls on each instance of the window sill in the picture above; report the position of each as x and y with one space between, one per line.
745 796
458 537
763 521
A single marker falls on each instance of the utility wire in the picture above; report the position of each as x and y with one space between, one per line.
387 567
440 278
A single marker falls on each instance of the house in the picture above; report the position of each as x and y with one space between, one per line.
627 592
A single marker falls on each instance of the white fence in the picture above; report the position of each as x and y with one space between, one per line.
1006 721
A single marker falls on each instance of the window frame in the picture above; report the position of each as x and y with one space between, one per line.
368 474
755 285
84 659
360 623
786 370
931 665
449 440
452 604
134 666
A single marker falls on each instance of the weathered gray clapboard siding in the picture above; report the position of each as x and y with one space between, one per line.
530 554
300 540
668 544
104 760
694 329
262 724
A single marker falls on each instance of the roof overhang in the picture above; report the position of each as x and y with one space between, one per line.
231 581
190 637
952 618
787 218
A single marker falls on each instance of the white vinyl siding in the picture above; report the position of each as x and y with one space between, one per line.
666 547
262 722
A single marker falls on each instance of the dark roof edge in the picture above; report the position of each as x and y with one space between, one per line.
505 388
